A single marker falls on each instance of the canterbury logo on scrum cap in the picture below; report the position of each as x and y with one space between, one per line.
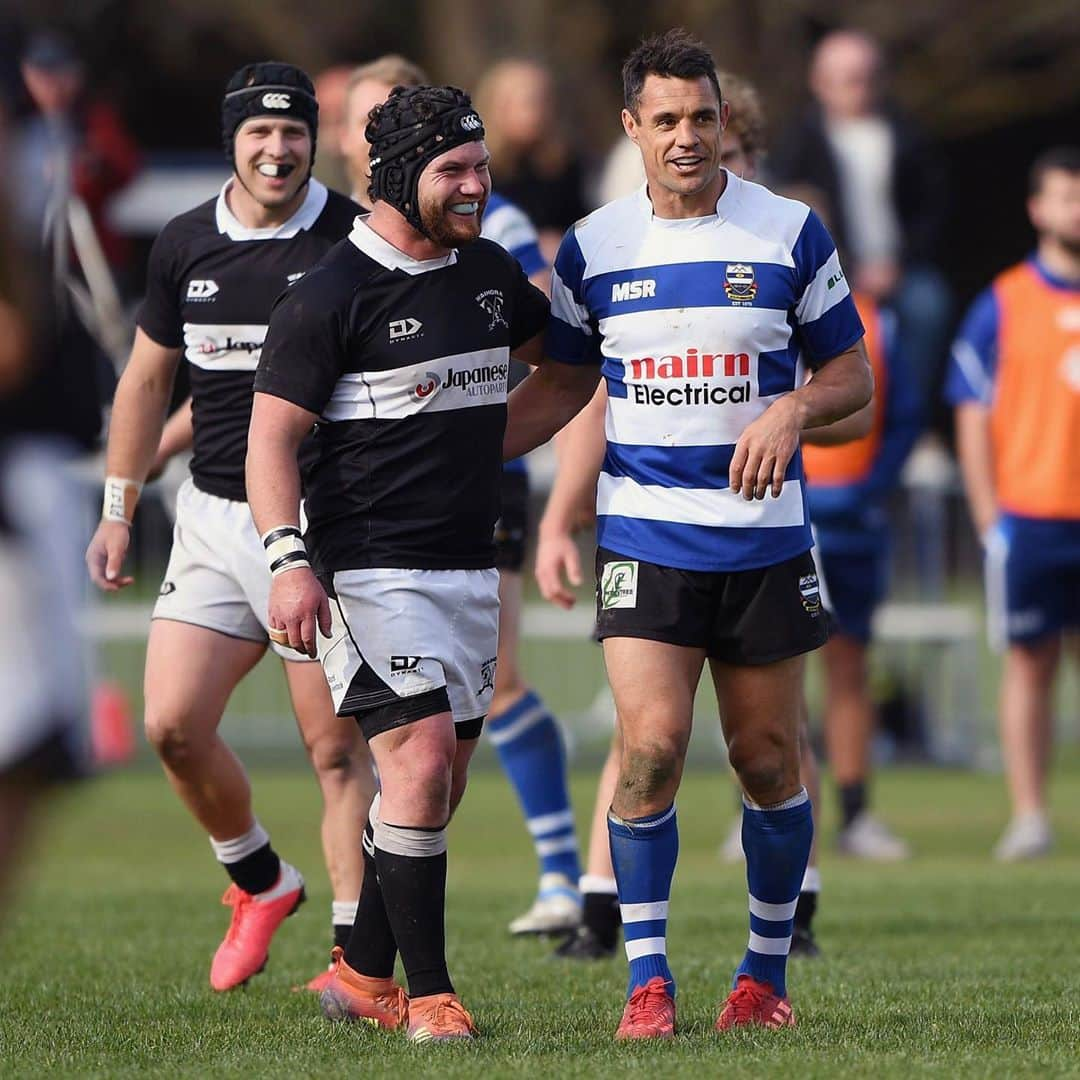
276 101
471 122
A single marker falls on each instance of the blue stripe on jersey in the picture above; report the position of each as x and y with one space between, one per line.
838 329
688 284
812 250
973 362
530 258
701 547
570 263
614 372
679 466
571 345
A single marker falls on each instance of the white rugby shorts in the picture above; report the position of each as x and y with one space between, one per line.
217 575
406 644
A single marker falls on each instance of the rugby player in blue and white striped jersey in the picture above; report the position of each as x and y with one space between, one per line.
700 298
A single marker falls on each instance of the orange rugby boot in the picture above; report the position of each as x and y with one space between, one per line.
246 947
439 1018
351 996
650 1012
753 1004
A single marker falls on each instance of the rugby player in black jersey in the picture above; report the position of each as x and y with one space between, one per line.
213 277
398 345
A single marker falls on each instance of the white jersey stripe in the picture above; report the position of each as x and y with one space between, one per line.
623 497
225 346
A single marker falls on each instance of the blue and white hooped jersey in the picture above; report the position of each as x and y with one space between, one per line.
698 326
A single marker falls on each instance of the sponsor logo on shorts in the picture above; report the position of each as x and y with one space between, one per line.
401 665
202 289
487 676
618 585
167 588
810 591
740 284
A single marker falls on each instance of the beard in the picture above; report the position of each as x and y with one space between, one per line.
448 229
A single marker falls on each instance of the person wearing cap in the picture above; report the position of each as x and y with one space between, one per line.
406 328
214 273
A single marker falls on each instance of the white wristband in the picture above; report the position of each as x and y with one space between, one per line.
285 549
120 498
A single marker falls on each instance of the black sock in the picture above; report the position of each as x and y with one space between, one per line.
805 909
257 872
369 943
600 913
852 801
342 933
413 880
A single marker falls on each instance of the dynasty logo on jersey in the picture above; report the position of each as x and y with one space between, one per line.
202 289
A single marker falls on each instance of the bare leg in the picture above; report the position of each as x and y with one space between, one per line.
190 673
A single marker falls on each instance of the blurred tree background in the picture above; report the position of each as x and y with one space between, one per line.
993 81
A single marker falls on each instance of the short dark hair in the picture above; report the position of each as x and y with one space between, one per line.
1058 158
674 54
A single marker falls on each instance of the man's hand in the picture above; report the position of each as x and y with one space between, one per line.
105 555
764 449
556 556
298 607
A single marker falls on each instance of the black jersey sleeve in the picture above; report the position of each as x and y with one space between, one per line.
159 314
530 310
304 353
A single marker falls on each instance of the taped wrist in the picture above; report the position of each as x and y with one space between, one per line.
285 549
121 497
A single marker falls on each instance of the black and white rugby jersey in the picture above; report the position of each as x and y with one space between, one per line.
211 285
405 363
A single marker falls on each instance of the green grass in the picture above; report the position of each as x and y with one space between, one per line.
949 965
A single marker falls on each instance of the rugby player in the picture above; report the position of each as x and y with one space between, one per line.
213 276
527 737
1014 381
398 344
704 540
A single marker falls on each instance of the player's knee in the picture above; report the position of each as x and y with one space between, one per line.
651 769
767 765
333 758
172 738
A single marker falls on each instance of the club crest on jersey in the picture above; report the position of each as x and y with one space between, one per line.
202 289
740 284
428 388
491 300
811 594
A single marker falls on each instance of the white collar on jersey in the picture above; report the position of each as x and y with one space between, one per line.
304 218
385 254
725 206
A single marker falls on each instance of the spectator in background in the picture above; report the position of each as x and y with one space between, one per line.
367 86
74 144
1015 384
533 163
331 87
887 189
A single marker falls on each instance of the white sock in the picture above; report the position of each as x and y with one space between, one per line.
289 881
343 912
230 851
811 881
595 883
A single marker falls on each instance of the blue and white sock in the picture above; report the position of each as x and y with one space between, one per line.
776 840
530 746
643 853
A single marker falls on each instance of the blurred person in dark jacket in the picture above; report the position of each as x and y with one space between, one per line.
533 163
873 165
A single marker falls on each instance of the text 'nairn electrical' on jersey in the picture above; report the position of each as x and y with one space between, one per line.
405 363
211 285
698 325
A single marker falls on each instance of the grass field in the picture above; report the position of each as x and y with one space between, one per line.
949 965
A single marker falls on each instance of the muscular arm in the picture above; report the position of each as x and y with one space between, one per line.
579 453
298 603
545 402
138 416
839 387
855 426
974 449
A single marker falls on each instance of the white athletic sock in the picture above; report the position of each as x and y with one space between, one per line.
595 883
343 912
289 881
230 851
811 881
